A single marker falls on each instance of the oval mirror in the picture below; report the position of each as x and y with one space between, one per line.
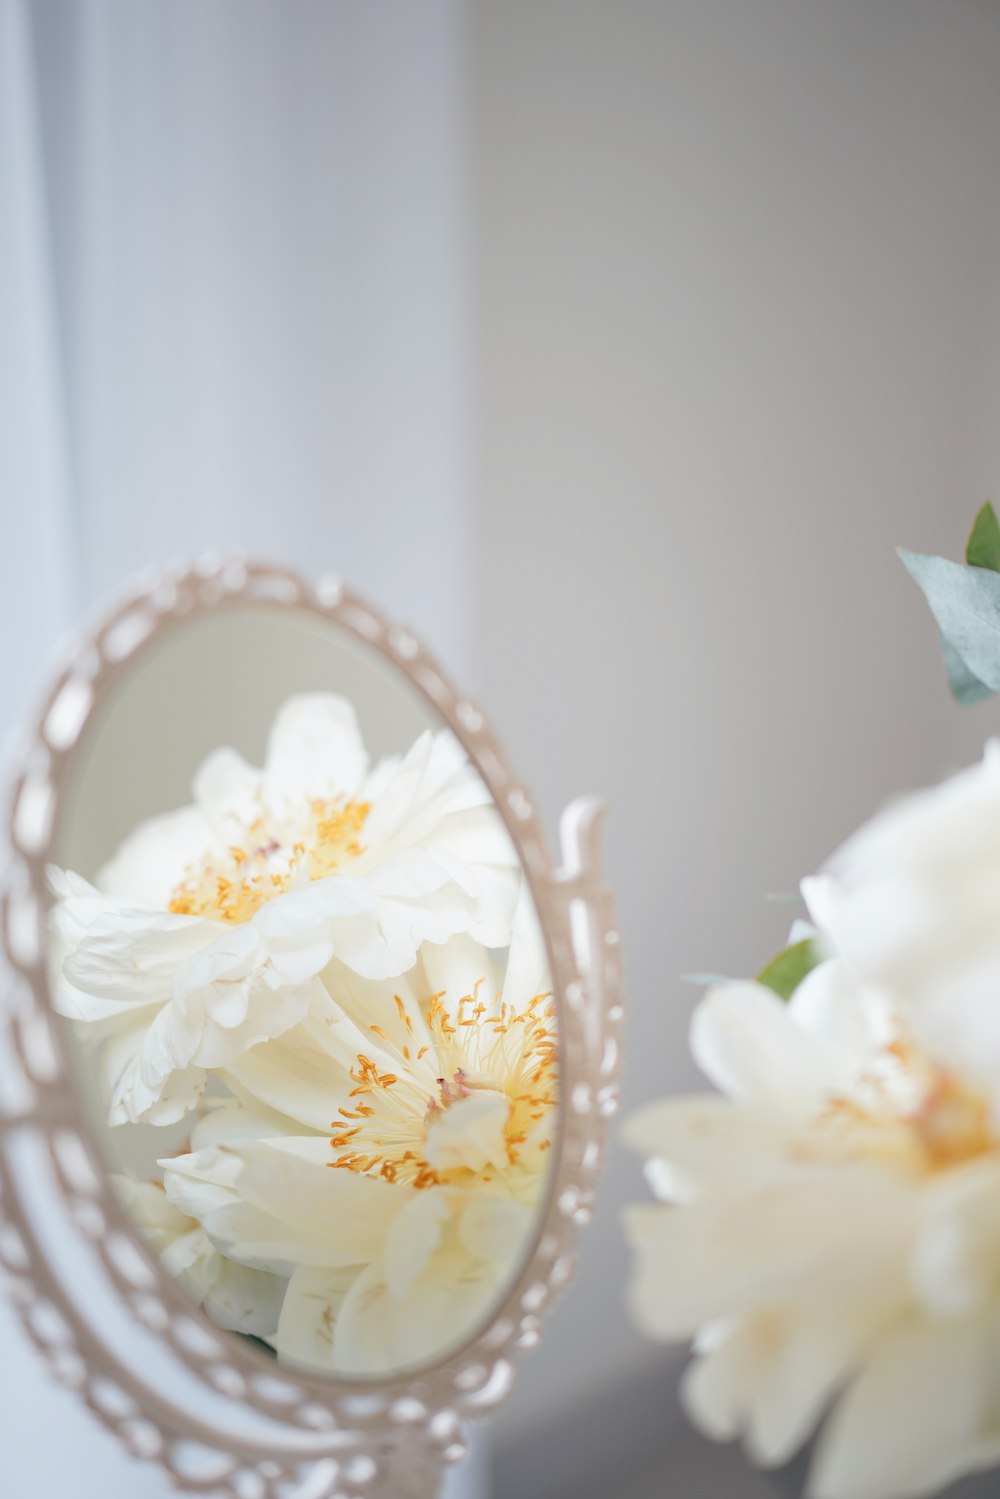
318 990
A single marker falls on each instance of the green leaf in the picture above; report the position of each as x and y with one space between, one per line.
965 688
965 601
785 972
983 549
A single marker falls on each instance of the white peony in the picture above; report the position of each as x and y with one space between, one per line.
912 904
830 1237
398 1230
209 930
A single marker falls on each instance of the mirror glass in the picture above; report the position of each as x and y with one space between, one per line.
307 993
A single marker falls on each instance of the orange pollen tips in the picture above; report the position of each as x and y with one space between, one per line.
472 1048
953 1124
947 1124
234 884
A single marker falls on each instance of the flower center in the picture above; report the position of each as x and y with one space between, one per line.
503 1063
233 885
943 1122
953 1124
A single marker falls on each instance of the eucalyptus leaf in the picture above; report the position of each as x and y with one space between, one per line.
785 972
965 601
983 549
965 688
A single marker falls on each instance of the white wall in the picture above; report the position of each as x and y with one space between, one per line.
738 293
259 234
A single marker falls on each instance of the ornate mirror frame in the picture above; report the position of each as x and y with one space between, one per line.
214 1412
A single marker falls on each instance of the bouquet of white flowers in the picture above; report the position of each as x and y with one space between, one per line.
828 1226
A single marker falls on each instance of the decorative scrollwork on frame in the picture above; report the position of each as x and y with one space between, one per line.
220 1418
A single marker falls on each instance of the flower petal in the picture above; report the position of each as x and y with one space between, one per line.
276 1202
825 1231
747 1042
413 1238
711 1143
378 1333
154 859
915 1419
315 750
497 1229
469 1134
309 1315
227 792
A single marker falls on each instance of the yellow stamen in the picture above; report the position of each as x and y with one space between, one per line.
234 886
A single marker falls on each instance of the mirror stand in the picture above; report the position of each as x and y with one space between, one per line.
152 1373
212 1409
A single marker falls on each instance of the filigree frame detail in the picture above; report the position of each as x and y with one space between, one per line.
323 1439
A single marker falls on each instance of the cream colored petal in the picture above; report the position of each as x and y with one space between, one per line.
228 794
226 1000
135 1092
459 967
309 1315
772 1374
712 1143
829 1231
469 1133
717 1387
916 1418
415 1235
831 1004
300 1078
278 1202
386 942
154 859
528 961
378 1333
437 803
231 1120
497 1228
132 954
812 1352
237 1299
387 1014
954 1259
748 1044
315 750
244 1300
422 790
147 1205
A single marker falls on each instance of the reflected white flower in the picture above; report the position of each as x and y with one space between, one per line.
832 1240
401 1227
207 932
237 1299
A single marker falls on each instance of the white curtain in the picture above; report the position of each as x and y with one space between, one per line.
233 278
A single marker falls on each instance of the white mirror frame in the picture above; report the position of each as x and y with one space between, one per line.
216 1414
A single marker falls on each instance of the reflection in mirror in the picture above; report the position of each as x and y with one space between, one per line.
309 994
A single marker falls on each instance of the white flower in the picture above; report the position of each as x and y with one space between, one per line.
236 1298
207 932
831 1240
912 904
400 1228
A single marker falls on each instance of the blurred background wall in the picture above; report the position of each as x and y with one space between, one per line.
613 346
